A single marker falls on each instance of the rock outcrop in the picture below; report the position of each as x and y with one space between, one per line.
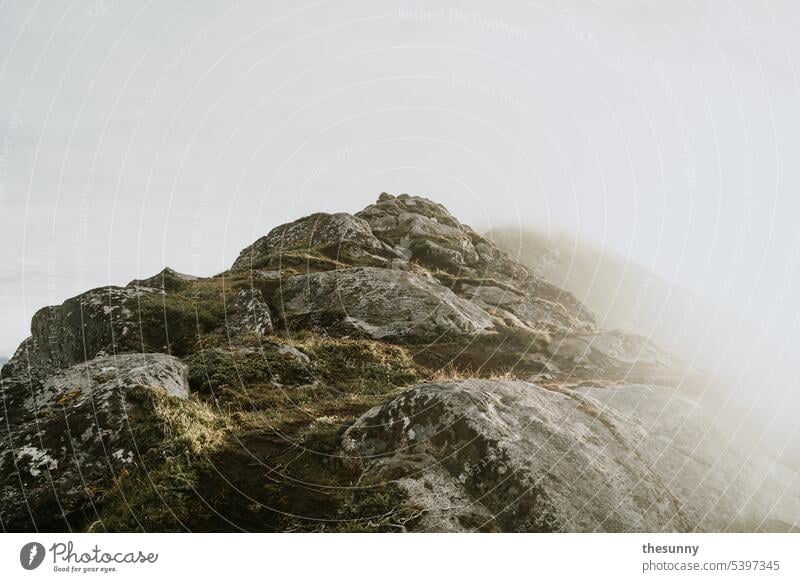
339 237
489 454
379 303
248 312
91 324
306 411
70 434
425 232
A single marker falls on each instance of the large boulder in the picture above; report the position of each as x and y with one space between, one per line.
339 237
409 233
70 434
247 312
509 455
98 322
166 313
379 303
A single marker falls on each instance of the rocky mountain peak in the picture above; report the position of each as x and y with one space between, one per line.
406 204
418 228
396 345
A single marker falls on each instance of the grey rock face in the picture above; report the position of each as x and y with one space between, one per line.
421 229
482 454
412 234
517 308
95 323
341 237
248 312
379 303
28 360
71 433
165 318
425 232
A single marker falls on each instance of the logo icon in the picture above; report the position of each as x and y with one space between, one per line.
31 555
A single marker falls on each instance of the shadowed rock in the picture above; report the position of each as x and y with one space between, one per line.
94 323
70 435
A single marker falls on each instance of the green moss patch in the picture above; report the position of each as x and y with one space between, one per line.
269 422
158 491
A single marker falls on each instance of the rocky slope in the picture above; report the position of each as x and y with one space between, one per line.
510 455
391 370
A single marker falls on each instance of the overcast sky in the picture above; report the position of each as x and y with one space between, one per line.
137 135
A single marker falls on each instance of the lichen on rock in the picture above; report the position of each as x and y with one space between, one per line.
380 304
70 435
523 458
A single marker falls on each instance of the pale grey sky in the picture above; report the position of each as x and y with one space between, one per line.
137 135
